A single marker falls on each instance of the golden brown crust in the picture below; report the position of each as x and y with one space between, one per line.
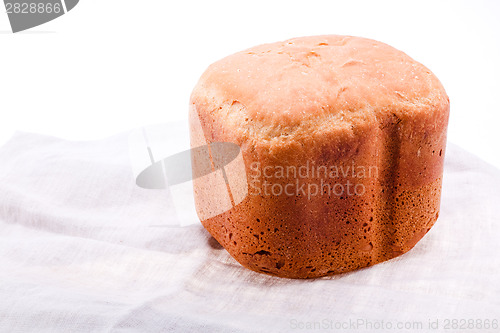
360 103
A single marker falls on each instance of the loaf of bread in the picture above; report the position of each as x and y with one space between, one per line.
342 142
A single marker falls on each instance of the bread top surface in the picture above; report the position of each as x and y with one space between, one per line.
316 83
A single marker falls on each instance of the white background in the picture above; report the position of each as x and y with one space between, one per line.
113 65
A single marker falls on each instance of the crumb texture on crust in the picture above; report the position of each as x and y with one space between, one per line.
334 101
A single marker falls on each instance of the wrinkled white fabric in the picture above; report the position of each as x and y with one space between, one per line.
82 248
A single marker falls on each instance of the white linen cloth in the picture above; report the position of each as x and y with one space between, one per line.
83 249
